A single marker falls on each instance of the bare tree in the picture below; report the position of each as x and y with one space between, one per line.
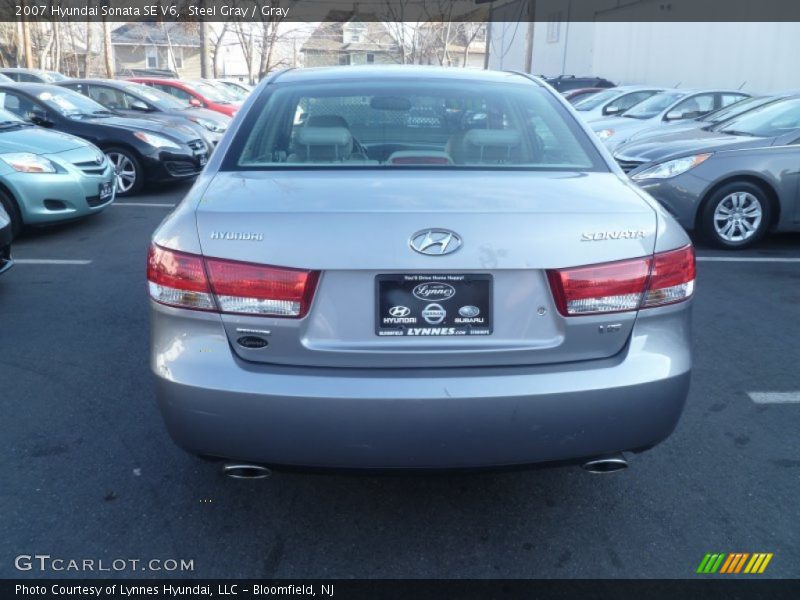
86 61
218 40
108 50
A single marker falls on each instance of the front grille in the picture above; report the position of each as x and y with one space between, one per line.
182 168
90 167
628 164
94 201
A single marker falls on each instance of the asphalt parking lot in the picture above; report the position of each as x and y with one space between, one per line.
89 471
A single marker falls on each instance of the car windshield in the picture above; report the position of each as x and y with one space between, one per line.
211 93
72 104
9 120
771 120
429 123
55 76
734 110
653 105
157 98
595 100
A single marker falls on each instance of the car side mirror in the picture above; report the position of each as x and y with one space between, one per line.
39 117
612 110
140 106
195 102
675 115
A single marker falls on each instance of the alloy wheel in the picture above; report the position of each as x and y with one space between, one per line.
738 216
125 171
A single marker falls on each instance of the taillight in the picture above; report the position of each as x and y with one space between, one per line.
260 290
672 277
666 278
178 279
191 281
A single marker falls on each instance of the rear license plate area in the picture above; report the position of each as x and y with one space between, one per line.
433 304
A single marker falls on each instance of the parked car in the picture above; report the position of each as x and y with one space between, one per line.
5 79
137 100
573 96
236 94
613 101
667 107
49 177
244 88
734 181
33 75
494 292
200 94
140 150
706 121
5 240
564 83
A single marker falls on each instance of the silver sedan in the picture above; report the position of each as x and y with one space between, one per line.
348 286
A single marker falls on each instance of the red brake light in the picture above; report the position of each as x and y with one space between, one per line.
191 281
256 289
666 278
672 277
178 279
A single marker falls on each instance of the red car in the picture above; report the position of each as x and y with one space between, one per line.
194 93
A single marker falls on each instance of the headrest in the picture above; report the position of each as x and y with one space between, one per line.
323 136
493 137
324 143
327 121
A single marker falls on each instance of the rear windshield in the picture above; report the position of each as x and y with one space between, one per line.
595 100
433 123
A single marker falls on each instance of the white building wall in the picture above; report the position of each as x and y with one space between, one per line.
756 57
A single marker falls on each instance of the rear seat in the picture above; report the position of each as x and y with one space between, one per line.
488 146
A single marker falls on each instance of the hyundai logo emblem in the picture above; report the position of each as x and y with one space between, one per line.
435 242
399 311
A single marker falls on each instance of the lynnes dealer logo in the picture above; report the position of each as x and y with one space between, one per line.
734 563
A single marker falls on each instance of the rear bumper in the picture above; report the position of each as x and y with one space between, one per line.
215 404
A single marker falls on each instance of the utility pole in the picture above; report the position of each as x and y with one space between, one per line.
26 43
204 70
529 37
488 43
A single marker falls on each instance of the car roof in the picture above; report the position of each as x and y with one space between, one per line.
96 81
33 88
23 70
399 72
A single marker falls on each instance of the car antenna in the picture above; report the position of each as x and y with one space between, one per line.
677 85
741 86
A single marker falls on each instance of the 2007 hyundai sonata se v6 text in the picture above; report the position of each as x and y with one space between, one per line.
413 267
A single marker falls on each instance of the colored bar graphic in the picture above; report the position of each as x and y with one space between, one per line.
734 563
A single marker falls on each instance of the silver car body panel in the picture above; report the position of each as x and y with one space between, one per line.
328 392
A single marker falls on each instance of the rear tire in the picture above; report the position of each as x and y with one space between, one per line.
736 216
130 175
10 205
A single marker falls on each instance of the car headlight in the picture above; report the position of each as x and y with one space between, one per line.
26 162
211 125
604 134
671 168
156 140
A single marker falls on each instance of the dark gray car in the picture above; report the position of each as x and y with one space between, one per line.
356 288
734 181
137 100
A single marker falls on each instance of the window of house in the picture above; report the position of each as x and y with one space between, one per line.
177 57
151 55
344 58
370 58
353 32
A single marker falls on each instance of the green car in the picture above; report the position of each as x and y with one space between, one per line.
49 177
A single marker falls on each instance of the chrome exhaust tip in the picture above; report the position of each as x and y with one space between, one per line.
246 471
606 464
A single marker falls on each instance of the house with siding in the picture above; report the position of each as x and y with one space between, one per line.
348 38
157 46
